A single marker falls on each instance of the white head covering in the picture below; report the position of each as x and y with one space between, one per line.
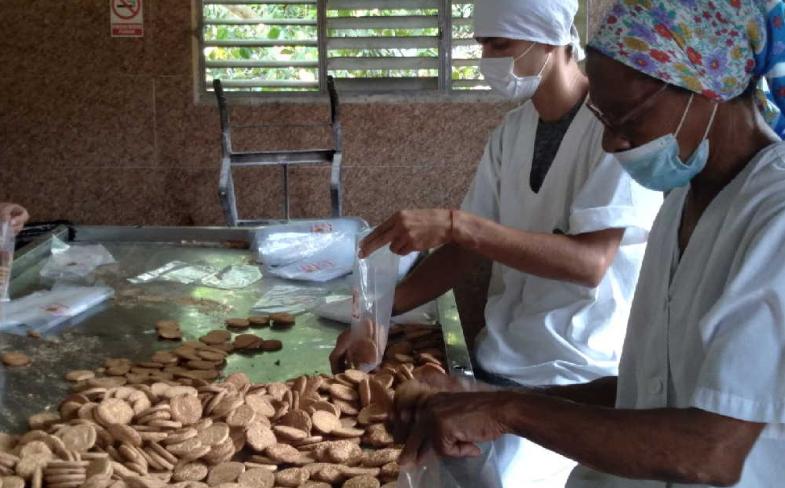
543 21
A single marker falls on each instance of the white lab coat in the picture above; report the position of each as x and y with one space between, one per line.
540 331
708 330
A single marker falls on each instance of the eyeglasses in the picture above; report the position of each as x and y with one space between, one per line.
640 109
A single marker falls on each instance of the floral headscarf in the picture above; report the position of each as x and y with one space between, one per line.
712 47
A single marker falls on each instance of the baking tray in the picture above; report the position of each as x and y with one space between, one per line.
124 326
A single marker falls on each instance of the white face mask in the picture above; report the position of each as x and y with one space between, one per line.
500 74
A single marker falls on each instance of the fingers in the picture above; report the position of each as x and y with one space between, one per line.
337 361
425 446
414 446
15 214
374 242
21 217
448 437
338 354
458 449
19 222
401 422
378 238
408 399
400 245
429 433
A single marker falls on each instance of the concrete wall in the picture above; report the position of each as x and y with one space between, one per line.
106 131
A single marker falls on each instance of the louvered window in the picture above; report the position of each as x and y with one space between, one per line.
367 46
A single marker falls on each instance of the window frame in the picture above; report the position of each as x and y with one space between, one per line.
444 91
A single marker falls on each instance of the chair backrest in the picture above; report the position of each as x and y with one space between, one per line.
335 121
226 128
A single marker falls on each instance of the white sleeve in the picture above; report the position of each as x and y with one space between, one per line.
483 196
611 199
743 372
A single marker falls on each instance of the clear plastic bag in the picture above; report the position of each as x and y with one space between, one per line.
437 472
234 277
333 262
7 243
44 310
229 278
319 250
289 298
407 263
189 274
156 273
373 293
74 263
339 309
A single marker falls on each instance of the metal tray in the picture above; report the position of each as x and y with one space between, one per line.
123 327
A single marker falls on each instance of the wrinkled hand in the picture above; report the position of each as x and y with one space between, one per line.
16 214
410 230
410 397
452 423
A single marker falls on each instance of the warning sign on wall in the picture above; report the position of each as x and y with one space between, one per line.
127 18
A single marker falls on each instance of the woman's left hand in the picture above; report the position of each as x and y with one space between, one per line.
453 424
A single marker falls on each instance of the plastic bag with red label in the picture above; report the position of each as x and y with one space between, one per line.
318 250
44 310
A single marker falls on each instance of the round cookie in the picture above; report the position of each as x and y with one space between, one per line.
15 359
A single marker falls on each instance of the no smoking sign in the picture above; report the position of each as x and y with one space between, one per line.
127 18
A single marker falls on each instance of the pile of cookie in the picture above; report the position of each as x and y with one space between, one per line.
167 423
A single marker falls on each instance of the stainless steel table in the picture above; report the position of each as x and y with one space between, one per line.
124 326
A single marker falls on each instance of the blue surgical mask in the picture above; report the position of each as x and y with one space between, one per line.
656 165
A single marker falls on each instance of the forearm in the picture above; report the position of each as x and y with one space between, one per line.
437 274
577 259
599 393
668 444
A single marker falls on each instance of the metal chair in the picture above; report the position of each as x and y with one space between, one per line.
233 159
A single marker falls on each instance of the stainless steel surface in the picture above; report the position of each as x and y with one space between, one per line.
124 327
457 352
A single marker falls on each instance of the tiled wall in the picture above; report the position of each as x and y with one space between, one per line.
106 131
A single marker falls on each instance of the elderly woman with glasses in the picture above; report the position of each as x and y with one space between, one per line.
688 92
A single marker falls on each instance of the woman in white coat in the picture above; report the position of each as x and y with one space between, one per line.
564 225
699 396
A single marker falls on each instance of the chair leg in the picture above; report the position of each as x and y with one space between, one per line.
226 194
